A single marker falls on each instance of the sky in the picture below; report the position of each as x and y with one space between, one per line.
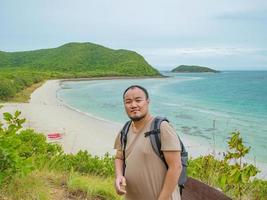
221 34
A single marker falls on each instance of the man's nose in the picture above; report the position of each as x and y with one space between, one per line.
133 104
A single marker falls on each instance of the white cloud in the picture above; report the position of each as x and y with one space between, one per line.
202 52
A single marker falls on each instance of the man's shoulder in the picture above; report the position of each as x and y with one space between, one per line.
165 124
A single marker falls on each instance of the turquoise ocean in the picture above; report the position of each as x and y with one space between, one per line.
204 107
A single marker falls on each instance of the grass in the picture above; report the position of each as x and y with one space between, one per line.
51 185
30 187
92 187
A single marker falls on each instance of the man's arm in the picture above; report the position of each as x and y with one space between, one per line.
119 178
173 160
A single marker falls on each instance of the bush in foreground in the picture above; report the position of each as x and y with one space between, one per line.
27 162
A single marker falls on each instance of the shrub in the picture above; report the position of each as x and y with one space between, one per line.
7 89
85 163
22 151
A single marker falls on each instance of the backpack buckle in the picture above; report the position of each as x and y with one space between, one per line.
155 131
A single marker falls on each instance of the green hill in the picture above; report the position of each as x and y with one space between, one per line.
192 69
81 58
22 72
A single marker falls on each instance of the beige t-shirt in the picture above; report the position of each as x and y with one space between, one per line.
145 171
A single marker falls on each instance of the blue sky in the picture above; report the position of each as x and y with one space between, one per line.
222 34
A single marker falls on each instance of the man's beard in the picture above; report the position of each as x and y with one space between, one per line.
137 118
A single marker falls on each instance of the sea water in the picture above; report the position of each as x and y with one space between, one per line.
204 107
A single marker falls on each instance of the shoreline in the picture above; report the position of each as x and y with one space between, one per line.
112 78
47 113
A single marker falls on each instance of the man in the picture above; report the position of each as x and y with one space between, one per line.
146 175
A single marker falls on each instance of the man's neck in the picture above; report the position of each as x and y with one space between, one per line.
141 123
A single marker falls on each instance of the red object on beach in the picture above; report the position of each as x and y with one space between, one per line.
54 135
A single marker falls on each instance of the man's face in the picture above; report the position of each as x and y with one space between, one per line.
136 104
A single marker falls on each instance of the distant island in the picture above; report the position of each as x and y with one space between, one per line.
193 69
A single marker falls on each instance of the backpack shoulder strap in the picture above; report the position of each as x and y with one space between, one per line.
123 134
154 136
123 140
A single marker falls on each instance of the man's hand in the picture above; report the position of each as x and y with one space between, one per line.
120 184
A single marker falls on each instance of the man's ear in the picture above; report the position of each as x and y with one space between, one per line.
148 101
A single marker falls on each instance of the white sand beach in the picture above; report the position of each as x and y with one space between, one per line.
81 131
46 114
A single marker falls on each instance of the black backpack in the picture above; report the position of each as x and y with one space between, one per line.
154 135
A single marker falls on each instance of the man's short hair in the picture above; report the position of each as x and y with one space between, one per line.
136 86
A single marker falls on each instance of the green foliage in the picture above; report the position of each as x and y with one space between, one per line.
20 151
85 163
240 173
192 68
25 151
14 122
7 88
11 162
207 169
258 190
237 148
230 174
14 81
78 57
19 70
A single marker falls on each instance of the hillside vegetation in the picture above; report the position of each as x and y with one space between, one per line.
19 70
79 58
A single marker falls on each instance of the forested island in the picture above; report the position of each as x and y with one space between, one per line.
193 69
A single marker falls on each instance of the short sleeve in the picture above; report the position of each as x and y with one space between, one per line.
117 144
118 147
169 138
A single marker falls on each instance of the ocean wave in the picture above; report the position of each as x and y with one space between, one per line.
199 109
155 88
